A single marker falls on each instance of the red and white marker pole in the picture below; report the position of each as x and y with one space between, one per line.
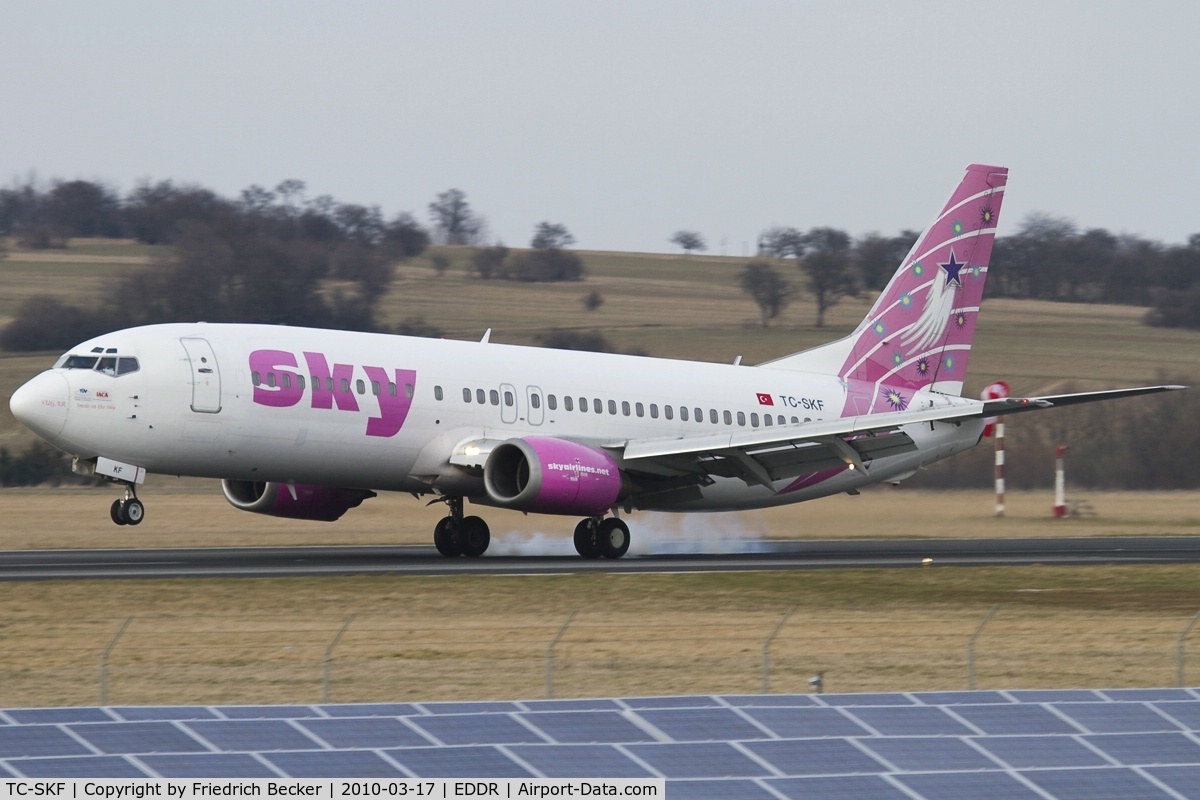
1060 482
997 391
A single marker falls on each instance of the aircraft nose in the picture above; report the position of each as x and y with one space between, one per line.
41 404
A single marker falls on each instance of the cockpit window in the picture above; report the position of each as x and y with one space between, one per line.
109 365
80 362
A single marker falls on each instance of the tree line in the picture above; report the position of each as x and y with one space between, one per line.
1047 258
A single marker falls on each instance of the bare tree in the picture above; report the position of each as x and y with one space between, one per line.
826 262
689 241
453 220
770 290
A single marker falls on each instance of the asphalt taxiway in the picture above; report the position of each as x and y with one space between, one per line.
257 562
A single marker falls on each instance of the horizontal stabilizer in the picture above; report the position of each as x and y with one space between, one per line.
1013 405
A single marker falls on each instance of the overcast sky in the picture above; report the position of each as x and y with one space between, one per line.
625 121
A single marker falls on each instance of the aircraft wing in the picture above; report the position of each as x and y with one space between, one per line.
767 455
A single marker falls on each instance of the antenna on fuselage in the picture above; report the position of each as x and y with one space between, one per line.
487 336
737 362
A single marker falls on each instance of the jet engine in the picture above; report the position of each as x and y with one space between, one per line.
552 476
295 501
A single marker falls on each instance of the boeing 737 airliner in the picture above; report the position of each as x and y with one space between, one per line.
307 424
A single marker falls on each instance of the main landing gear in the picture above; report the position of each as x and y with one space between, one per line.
457 535
596 536
128 510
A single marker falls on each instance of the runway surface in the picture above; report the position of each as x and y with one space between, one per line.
249 562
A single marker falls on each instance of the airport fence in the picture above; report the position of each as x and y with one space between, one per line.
358 657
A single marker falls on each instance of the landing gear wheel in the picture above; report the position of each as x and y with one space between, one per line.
585 538
613 538
473 536
446 538
117 513
133 511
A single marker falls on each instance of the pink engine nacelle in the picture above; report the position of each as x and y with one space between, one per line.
552 476
297 501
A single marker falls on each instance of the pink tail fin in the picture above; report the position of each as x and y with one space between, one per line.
918 334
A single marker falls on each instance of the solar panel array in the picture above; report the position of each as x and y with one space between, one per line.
1130 743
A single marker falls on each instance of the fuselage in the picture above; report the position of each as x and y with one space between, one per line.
371 411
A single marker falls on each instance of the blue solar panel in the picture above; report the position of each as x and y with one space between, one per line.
1144 695
1185 780
815 757
54 716
1111 783
267 712
846 787
717 760
334 764
1147 749
866 700
137 737
719 790
800 723
456 729
1000 720
459 762
209 765
87 767
469 708
929 754
1022 752
1056 695
702 724
156 713
365 732
578 727
910 721
1116 717
761 700
573 761
597 704
240 736
671 702
960 698
1187 714
370 710
972 785
38 740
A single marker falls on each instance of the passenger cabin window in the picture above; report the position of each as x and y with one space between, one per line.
625 407
683 413
409 391
480 397
741 418
466 395
509 399
494 396
597 406
654 411
712 416
568 403
639 409
376 388
668 412
552 402
535 400
437 392
728 418
612 407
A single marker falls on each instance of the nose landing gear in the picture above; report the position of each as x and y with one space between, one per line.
127 510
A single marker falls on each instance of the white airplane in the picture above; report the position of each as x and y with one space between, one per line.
306 423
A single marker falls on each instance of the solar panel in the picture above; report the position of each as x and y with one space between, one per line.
1067 744
1014 719
1023 752
364 732
78 767
1117 717
459 762
702 724
208 765
928 753
334 764
1092 784
38 740
973 785
706 760
454 729
910 721
1147 749
240 736
580 727
801 723
137 737
815 757
572 761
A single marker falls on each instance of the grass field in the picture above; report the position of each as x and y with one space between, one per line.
442 638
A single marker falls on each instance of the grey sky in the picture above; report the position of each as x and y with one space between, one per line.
626 121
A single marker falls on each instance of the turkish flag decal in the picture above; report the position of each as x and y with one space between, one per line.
764 399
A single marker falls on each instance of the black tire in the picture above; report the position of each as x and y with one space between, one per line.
474 537
117 513
585 539
613 538
446 538
133 511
